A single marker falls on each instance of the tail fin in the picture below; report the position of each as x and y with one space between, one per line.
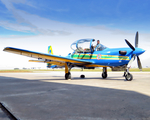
50 51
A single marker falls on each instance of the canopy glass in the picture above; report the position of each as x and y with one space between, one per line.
86 45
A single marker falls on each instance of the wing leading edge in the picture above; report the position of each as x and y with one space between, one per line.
46 56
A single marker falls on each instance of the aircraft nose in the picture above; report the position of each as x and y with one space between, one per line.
142 51
139 51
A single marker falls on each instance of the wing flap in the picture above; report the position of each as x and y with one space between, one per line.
37 61
51 62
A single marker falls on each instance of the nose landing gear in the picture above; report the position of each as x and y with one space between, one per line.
128 76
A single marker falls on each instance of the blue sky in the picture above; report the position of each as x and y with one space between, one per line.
130 15
36 24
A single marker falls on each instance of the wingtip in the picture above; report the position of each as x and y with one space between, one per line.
8 48
5 48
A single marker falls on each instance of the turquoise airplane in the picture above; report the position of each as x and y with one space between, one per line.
88 56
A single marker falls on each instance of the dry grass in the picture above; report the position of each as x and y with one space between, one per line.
85 70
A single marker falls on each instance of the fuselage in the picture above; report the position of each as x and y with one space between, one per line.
99 54
109 56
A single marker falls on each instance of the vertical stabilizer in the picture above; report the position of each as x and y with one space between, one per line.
50 51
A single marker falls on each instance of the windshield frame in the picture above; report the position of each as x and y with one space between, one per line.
76 43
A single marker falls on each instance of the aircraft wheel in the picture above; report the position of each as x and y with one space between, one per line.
128 77
82 76
104 75
68 76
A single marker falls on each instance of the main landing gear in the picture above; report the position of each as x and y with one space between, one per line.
104 74
67 72
68 76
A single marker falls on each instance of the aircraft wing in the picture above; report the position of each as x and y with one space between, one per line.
46 56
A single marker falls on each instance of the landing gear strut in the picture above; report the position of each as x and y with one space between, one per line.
104 74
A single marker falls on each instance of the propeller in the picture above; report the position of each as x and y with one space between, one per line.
139 63
129 44
136 39
133 48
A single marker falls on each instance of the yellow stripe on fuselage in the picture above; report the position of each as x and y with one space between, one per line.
99 56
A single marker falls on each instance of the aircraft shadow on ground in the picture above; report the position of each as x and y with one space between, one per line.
35 99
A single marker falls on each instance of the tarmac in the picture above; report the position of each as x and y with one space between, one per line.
48 96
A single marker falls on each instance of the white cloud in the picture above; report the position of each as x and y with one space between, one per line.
35 22
16 27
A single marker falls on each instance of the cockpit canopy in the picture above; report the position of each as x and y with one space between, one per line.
86 45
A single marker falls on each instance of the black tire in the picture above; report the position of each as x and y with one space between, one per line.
104 75
68 76
129 77
82 76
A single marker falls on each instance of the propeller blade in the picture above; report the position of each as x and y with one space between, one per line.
129 44
139 63
136 39
130 62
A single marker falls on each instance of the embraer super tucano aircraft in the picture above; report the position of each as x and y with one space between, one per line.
88 56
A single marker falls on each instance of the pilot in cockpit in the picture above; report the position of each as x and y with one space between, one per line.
98 44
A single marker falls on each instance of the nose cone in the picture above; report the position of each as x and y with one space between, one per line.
138 51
